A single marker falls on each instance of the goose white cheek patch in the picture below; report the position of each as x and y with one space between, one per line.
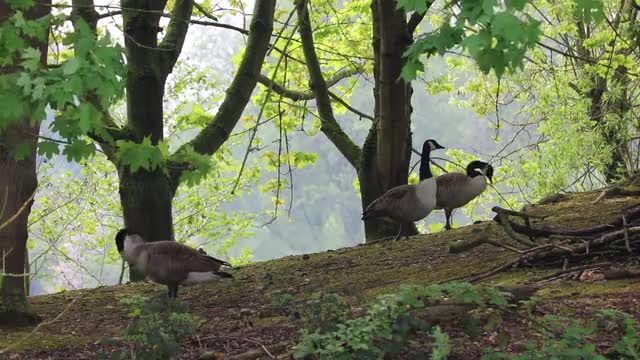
200 277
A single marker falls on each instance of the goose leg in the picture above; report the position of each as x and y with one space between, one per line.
447 214
399 231
173 291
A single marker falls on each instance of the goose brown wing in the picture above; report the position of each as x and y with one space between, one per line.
180 258
387 203
450 188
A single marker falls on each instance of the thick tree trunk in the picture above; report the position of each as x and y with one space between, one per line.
386 152
146 203
145 196
18 182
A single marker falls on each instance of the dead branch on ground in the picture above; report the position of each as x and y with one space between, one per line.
546 244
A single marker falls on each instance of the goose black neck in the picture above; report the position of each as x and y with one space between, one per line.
425 168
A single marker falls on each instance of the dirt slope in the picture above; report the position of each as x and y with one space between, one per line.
240 314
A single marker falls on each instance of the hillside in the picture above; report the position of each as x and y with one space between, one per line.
241 315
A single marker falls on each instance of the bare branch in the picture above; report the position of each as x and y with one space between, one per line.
176 33
416 19
297 95
330 126
238 95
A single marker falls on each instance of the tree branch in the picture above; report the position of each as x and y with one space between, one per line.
205 12
176 33
85 10
297 95
211 138
330 126
416 19
349 107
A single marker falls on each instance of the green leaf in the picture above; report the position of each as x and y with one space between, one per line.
516 4
31 59
507 26
411 68
419 6
78 150
142 155
589 10
86 114
48 148
20 4
70 66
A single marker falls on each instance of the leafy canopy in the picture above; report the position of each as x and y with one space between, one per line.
495 34
76 90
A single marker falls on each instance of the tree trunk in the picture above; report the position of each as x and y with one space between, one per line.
386 152
145 196
146 204
18 182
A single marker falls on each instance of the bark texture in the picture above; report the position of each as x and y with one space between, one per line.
18 183
387 149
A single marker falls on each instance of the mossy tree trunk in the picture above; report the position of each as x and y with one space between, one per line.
146 196
18 183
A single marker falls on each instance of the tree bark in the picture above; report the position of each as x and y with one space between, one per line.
18 182
145 195
387 150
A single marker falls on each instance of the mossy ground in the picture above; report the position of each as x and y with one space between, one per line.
240 313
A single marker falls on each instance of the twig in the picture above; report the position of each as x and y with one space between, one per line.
252 354
20 210
626 234
523 215
571 270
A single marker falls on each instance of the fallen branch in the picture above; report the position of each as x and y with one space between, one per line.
252 354
615 192
621 274
569 271
508 228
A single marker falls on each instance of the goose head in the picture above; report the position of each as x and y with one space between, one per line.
478 167
431 145
126 238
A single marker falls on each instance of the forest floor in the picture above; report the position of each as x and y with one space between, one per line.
240 314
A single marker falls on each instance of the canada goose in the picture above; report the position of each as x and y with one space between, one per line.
168 262
457 189
408 203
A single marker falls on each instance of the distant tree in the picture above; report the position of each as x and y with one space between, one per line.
18 180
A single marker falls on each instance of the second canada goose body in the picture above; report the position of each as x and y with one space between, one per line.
408 203
168 262
457 189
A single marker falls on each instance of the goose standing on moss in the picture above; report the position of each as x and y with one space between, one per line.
408 203
168 262
456 190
